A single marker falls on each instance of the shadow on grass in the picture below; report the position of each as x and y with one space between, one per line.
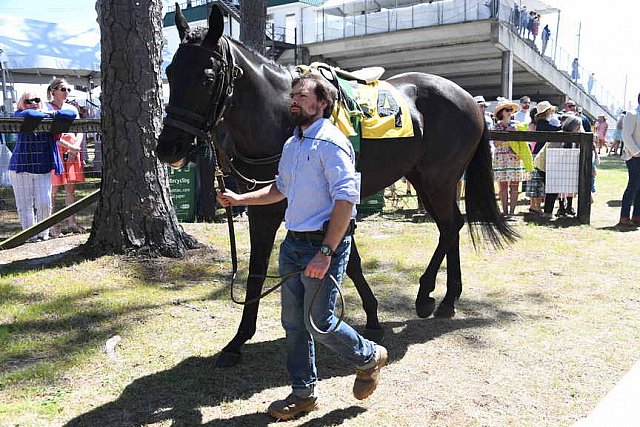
68 258
561 222
177 394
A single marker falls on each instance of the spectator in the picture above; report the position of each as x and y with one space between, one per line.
535 186
516 17
631 156
522 115
535 25
546 35
69 147
602 127
508 165
571 123
617 137
571 107
544 113
590 83
524 20
575 73
34 156
482 105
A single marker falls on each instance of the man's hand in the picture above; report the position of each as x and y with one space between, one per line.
228 198
318 266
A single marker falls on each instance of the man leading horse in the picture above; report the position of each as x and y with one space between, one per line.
317 176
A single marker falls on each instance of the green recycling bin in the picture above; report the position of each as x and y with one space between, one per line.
372 204
182 187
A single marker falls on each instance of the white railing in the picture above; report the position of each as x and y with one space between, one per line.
320 25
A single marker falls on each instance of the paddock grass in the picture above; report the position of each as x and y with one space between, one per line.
544 329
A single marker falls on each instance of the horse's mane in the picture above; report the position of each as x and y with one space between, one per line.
196 35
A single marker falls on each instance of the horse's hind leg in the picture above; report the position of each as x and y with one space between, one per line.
369 302
440 203
454 281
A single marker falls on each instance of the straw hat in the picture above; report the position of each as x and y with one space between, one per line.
480 100
504 103
543 106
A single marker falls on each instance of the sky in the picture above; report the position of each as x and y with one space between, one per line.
605 48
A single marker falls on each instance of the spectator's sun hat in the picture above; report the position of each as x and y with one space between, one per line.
504 103
480 100
543 106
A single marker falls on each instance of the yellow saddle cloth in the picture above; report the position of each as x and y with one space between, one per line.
372 110
381 110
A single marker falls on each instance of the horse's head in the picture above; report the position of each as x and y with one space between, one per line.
201 77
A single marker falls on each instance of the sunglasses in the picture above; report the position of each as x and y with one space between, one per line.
570 106
64 89
32 101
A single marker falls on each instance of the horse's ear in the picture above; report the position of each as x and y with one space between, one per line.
216 27
181 22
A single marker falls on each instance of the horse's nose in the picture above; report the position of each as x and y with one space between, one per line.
167 148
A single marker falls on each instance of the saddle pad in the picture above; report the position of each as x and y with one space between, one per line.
385 114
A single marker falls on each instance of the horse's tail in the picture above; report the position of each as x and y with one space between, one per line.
483 216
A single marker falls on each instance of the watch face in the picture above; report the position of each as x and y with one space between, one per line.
326 250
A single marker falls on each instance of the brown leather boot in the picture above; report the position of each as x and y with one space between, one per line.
367 379
625 221
292 407
635 220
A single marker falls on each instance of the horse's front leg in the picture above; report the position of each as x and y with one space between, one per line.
263 225
373 329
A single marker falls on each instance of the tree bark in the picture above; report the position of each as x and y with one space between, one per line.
253 21
135 210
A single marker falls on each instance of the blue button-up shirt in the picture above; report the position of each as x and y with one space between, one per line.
317 168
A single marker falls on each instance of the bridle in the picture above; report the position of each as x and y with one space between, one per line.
220 94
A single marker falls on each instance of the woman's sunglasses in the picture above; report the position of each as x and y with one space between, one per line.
64 89
32 101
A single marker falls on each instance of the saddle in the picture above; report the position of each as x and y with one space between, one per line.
366 107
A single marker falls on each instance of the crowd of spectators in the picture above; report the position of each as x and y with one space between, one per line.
523 167
513 165
38 164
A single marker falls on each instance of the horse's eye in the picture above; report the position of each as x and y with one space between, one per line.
210 73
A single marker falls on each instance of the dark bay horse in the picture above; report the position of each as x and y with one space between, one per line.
213 77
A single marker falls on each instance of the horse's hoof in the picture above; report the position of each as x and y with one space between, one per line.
228 359
375 335
445 311
424 309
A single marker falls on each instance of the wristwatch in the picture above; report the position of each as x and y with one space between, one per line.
326 250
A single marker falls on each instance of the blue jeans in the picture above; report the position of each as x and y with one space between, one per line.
631 195
296 295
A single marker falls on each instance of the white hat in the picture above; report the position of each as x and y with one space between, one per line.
480 100
543 106
505 103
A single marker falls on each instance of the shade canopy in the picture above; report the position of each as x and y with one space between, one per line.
35 51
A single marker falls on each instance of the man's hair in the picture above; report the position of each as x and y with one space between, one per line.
571 123
323 90
525 99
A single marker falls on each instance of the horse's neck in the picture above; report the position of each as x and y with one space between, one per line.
258 119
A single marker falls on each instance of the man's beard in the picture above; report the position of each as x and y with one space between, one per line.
300 118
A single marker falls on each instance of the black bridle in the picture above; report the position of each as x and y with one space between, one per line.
220 91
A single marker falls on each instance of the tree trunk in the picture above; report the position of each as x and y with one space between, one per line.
253 21
134 211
